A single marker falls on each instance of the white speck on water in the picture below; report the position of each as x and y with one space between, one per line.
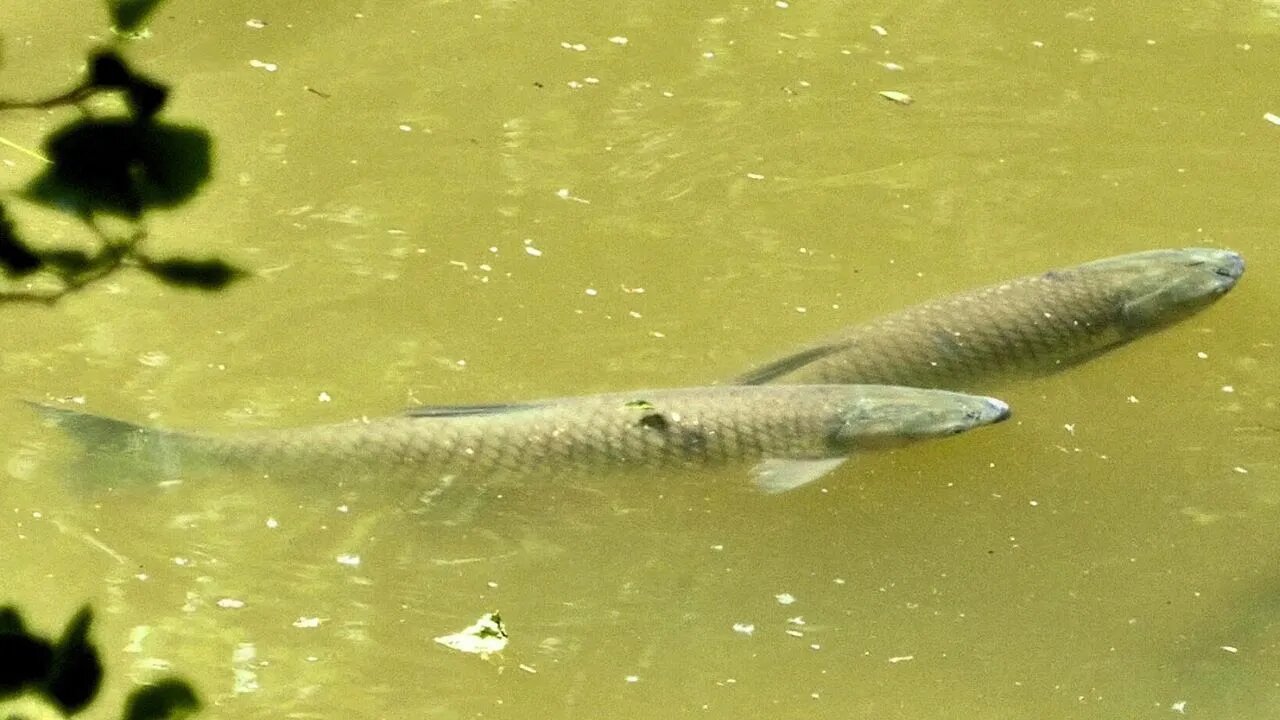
1070 427
708 55
348 559
1240 470
181 561
782 4
1133 399
230 603
794 633
307 622
891 66
657 333
273 523
815 646
1202 355
879 30
755 176
618 40
1231 648
405 128
1037 44
591 291
901 658
668 93
801 309
531 250
1034 503
491 584
785 598
1179 707
528 668
255 23
899 97
1228 388
324 397
839 581
37 514
744 628
634 314
344 508
797 620
633 678
268 66
591 80
1271 118
574 84
717 547
576 47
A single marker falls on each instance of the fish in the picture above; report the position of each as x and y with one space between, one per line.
793 434
1029 326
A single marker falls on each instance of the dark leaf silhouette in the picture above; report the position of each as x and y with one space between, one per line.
68 262
24 660
122 167
15 256
108 70
166 699
212 274
76 672
127 15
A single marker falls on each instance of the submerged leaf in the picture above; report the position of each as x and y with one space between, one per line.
164 700
212 274
127 15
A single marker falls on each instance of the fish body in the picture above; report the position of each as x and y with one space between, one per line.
794 433
1030 325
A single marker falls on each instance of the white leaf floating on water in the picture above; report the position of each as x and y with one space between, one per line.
899 97
487 635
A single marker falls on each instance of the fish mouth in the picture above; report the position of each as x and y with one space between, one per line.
999 410
1226 265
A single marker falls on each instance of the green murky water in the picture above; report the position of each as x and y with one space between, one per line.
460 202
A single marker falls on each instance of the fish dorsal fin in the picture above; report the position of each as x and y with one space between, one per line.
776 369
778 475
444 411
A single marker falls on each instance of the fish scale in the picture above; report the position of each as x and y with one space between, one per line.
1028 325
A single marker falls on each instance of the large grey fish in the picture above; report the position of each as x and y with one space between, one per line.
794 434
1030 325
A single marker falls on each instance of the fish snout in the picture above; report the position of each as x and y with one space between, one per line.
998 410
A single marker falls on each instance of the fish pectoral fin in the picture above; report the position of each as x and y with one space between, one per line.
782 366
778 475
468 410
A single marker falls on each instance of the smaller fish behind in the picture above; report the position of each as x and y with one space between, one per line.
1030 325
792 434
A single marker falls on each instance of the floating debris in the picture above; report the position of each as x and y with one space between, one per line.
268 66
744 628
879 30
785 598
1272 118
899 97
901 658
486 636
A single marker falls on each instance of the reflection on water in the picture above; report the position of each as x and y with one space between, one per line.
728 187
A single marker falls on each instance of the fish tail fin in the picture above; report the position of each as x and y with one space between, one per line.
94 432
116 446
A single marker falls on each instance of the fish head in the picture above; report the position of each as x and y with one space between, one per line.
885 416
1159 287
